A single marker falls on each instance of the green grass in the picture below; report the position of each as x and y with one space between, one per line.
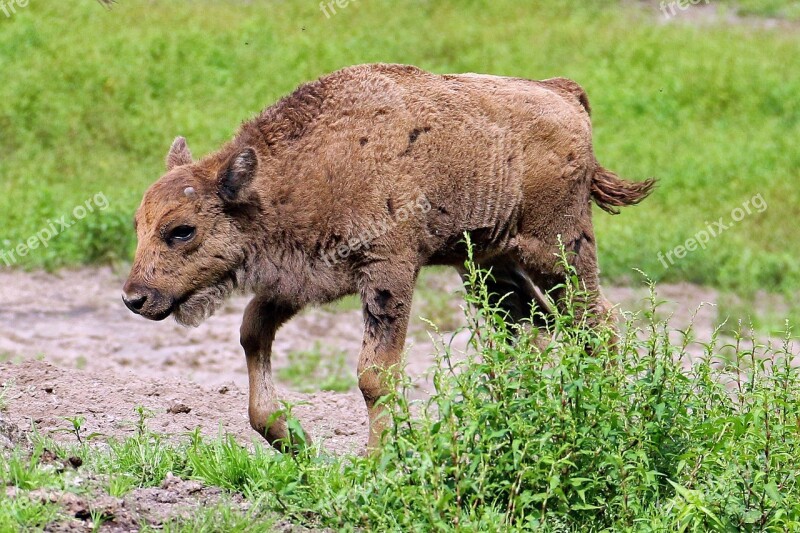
21 513
436 305
24 472
219 518
92 98
523 435
317 369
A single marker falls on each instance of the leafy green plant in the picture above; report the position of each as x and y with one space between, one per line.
77 429
520 437
145 459
26 472
221 517
532 435
119 484
21 513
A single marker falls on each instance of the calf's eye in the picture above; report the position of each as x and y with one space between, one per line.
182 233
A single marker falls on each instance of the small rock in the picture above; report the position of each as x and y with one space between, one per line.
169 480
165 496
178 407
192 487
10 434
48 457
48 389
75 462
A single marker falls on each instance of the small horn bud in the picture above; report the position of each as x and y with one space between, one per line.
189 192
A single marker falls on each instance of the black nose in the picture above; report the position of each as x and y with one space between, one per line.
135 301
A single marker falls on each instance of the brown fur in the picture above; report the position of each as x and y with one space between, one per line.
354 182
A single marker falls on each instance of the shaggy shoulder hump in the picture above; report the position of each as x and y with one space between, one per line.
291 117
566 85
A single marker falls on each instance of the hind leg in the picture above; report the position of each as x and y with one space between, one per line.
511 290
541 262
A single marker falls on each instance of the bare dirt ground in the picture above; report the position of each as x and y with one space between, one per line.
69 347
72 348
707 14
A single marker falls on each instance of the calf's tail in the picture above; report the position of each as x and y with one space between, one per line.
610 192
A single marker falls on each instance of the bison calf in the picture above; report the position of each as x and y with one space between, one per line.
354 182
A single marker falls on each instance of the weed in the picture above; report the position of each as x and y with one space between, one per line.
119 485
78 430
20 513
146 459
23 471
221 517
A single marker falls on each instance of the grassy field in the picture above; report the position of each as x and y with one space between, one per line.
91 99
522 437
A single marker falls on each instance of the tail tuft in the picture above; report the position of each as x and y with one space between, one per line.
609 191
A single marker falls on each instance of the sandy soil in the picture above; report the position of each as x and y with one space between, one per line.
72 348
708 14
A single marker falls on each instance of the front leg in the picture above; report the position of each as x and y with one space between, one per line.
261 320
386 289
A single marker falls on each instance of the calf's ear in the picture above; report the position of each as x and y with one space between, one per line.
178 154
236 174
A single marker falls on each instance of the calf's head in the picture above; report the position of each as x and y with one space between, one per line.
191 230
